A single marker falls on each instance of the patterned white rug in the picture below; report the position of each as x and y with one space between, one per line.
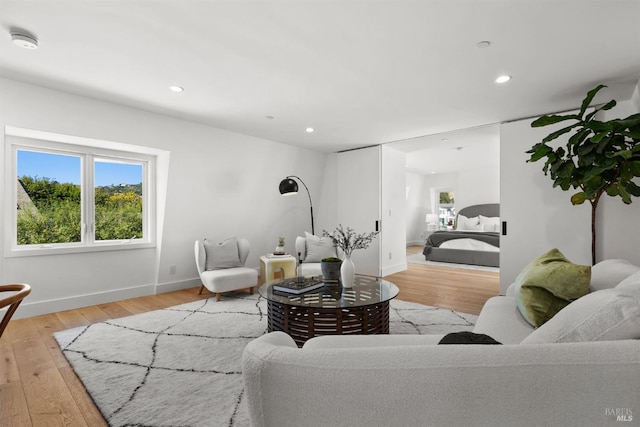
180 366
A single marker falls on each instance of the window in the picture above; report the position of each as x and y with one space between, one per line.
79 197
446 208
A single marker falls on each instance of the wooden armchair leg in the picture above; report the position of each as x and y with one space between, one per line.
218 296
201 289
251 290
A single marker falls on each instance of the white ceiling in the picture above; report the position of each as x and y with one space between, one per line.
359 72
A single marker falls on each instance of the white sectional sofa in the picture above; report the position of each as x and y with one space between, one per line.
410 380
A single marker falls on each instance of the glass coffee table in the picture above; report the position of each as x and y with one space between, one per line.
331 309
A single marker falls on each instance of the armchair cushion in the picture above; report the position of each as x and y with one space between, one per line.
223 254
318 248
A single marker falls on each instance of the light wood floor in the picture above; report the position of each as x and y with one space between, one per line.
39 388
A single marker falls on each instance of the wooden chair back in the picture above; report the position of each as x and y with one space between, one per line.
19 292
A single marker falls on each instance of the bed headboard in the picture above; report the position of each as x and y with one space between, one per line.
488 209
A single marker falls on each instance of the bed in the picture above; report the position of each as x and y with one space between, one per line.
475 240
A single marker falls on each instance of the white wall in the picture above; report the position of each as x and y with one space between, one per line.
393 212
416 208
219 184
541 217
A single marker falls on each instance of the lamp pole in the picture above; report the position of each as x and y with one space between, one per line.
308 194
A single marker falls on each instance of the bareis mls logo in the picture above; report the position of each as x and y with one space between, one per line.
621 414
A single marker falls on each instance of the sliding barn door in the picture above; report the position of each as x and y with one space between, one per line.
358 197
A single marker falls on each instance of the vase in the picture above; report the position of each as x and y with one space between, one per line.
347 272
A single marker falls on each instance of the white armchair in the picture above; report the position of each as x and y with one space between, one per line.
226 273
312 249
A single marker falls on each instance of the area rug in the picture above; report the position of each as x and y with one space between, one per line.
180 366
419 259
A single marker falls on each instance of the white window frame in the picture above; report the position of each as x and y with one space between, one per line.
88 150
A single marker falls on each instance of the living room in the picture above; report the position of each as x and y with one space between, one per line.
215 181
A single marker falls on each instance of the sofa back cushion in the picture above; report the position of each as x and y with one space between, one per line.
609 273
548 284
606 315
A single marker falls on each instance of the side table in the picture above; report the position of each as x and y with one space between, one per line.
269 264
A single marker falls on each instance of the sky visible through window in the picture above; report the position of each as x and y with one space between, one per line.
66 169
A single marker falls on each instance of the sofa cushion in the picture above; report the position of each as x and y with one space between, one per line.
608 273
606 315
501 320
318 248
631 283
548 284
223 254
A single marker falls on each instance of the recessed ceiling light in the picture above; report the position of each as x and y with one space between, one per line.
176 88
503 79
483 44
24 40
309 130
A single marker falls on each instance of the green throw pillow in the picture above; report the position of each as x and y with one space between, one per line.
548 284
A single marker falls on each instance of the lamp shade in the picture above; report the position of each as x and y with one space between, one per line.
288 186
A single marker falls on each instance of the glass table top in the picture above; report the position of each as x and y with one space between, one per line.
366 290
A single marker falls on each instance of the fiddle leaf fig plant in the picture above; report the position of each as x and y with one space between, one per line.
599 157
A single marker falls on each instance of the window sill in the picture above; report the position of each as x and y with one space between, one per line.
42 250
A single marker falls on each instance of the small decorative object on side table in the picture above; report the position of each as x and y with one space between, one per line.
280 248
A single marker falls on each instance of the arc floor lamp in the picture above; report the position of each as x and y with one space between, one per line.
289 186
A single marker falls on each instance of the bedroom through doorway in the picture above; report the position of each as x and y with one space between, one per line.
447 173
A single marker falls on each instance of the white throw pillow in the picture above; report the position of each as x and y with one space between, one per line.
223 254
490 223
631 283
608 273
606 315
318 248
464 223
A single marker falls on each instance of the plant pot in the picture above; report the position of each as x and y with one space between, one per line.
330 271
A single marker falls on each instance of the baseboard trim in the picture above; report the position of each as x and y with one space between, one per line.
397 268
37 308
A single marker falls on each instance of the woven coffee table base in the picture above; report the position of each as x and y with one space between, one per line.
303 323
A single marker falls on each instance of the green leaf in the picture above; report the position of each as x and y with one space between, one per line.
632 188
587 100
552 119
578 198
554 135
539 151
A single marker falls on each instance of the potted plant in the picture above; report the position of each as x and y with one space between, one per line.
348 240
280 248
330 269
599 158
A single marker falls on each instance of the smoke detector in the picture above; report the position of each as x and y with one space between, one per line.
24 40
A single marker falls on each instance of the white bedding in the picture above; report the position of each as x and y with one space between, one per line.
469 244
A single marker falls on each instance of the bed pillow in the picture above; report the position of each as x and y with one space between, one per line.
606 315
223 254
464 223
490 223
318 248
548 284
